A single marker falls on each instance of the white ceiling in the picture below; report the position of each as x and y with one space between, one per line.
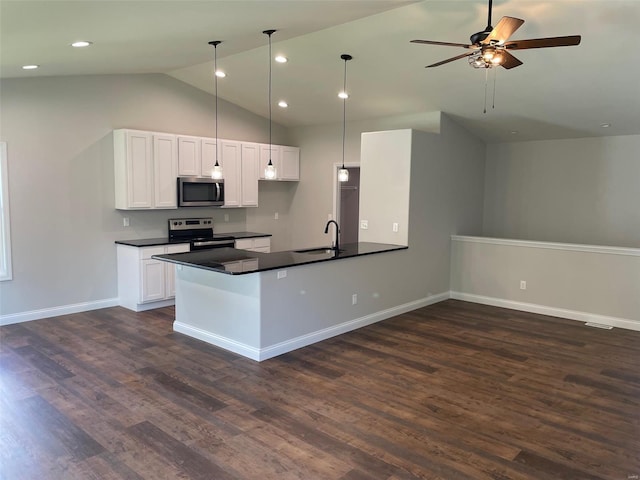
557 93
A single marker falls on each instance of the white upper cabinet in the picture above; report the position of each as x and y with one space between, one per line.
239 162
285 159
196 156
249 174
145 170
289 164
165 171
147 165
230 160
208 157
189 156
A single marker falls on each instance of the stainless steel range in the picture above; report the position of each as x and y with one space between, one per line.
198 232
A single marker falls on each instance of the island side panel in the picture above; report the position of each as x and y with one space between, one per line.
315 302
220 309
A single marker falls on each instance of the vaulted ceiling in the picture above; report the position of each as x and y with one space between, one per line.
557 93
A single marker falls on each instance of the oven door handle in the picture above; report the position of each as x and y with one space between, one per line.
214 243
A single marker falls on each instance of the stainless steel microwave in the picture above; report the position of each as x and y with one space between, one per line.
200 192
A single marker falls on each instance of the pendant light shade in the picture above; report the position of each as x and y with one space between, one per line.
270 170
216 172
343 173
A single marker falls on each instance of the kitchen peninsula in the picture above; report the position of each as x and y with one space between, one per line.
264 304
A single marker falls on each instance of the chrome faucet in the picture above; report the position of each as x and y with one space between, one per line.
336 242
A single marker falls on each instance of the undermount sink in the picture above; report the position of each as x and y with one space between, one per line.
319 251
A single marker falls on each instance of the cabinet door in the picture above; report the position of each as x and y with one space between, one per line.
230 159
189 154
249 175
139 170
152 276
264 159
170 269
208 157
165 171
289 164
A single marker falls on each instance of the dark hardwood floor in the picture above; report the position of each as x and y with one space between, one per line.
451 391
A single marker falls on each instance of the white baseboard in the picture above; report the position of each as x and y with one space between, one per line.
271 351
56 311
551 311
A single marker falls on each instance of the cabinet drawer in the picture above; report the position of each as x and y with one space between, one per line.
181 248
148 252
261 242
244 243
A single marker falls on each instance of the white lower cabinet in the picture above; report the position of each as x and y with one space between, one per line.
257 244
143 282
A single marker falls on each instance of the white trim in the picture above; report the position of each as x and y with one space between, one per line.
6 271
260 354
551 311
218 340
575 247
143 307
56 311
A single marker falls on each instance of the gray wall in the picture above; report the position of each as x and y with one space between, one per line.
446 193
60 158
584 190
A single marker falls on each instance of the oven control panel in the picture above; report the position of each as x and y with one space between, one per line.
190 223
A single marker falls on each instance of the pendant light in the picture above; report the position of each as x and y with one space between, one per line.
270 170
343 173
216 172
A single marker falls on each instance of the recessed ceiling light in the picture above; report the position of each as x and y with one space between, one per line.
220 74
605 125
81 44
30 67
283 104
343 95
281 59
514 132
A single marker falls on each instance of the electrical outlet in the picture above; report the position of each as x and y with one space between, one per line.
354 299
125 221
523 285
364 224
275 216
281 274
395 227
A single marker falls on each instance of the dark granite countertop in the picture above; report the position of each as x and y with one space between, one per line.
153 242
237 262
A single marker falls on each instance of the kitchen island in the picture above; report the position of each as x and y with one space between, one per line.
264 304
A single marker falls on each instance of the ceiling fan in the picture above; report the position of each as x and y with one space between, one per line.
490 47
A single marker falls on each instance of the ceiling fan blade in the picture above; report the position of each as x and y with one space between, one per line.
503 30
509 61
544 42
450 60
431 42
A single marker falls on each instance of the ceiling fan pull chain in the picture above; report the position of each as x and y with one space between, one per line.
495 75
486 78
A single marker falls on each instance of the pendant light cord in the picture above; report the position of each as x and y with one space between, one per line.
215 44
215 76
269 33
344 110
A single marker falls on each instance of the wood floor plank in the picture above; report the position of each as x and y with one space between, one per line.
450 391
